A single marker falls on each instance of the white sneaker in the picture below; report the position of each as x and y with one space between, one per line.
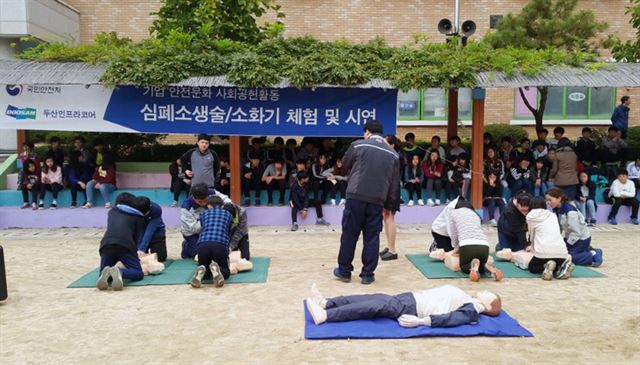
430 202
410 204
333 202
493 223
420 202
437 201
174 204
108 205
343 202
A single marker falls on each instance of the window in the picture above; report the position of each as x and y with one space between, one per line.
435 103
432 104
493 21
408 104
465 103
569 103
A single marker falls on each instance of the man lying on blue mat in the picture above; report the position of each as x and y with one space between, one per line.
444 306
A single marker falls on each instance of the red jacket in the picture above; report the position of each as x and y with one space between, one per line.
430 171
105 178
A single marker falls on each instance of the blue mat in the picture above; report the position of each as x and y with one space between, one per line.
500 326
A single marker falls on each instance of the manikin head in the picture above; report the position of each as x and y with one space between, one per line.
490 301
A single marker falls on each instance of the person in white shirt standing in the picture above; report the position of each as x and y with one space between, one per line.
623 192
444 306
470 245
633 168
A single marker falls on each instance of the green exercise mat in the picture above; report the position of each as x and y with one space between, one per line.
179 272
434 269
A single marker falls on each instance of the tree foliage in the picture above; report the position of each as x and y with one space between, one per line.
545 24
629 50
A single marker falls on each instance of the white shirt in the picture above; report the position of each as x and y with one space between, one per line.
633 170
618 189
442 300
439 225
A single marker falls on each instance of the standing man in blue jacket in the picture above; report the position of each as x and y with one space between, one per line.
374 169
620 117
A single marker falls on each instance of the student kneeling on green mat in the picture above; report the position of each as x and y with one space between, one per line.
125 226
444 306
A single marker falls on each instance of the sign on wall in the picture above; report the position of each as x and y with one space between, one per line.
333 112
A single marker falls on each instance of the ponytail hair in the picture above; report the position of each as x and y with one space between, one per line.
557 193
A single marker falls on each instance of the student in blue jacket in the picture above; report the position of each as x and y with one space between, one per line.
444 306
154 239
78 175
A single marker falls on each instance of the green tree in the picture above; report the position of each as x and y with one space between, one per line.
629 50
218 19
545 24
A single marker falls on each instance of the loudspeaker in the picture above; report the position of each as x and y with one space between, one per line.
468 28
445 26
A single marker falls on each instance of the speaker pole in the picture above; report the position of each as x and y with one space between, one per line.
456 18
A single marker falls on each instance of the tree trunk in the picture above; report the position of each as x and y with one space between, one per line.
538 114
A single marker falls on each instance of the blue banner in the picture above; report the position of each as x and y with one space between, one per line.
332 112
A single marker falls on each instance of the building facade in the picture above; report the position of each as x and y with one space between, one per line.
420 111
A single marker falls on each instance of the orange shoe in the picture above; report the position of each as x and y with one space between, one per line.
474 273
497 275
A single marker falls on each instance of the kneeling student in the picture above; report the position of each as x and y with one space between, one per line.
470 245
213 243
125 226
444 306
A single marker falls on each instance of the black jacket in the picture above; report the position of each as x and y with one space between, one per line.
513 223
592 191
586 150
373 167
299 195
489 191
123 229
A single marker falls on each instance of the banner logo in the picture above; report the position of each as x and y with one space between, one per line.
14 90
20 113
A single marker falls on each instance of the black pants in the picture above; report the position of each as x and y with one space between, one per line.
34 193
413 188
320 189
74 188
53 188
536 265
281 185
159 247
442 242
178 187
470 252
360 216
627 202
223 189
341 187
312 203
243 247
255 183
214 251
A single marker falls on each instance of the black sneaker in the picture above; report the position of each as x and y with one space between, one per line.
343 278
366 280
565 270
386 249
388 256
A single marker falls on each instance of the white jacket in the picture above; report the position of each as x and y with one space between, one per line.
618 189
544 234
633 170
439 225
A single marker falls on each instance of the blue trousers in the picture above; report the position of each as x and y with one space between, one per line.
492 203
110 255
368 306
190 247
506 240
359 216
540 190
580 252
522 184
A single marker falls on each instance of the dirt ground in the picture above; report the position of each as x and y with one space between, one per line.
577 321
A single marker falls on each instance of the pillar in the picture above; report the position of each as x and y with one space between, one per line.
235 168
452 118
477 148
22 136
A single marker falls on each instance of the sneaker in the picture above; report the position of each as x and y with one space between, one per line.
24 206
430 202
107 206
34 206
40 206
597 258
196 280
613 221
420 202
281 203
388 256
269 204
54 205
218 279
384 251
103 279
174 204
497 274
322 222
410 204
634 221
116 277
493 223
592 222
342 202
74 205
333 202
437 201
87 205
549 268
565 270
294 227
474 273
433 247
343 278
366 280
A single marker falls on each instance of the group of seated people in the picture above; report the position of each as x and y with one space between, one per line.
215 234
81 171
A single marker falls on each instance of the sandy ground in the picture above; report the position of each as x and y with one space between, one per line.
576 321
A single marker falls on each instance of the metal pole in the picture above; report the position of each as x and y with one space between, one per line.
456 18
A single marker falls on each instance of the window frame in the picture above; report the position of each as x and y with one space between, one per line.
564 116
